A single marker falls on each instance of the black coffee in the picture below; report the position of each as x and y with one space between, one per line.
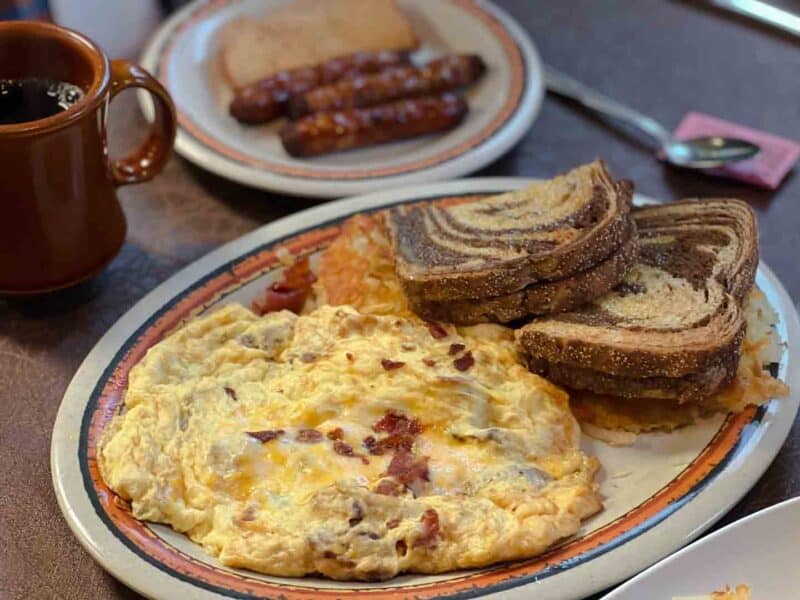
33 98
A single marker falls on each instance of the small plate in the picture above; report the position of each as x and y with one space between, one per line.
759 551
658 494
503 104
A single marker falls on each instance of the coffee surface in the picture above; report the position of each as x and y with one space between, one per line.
33 98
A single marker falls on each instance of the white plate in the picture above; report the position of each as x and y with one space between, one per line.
502 105
659 493
760 551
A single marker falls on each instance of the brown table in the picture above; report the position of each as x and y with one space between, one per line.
662 57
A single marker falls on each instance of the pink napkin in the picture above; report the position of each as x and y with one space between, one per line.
778 155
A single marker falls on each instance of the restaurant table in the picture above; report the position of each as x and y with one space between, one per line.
664 58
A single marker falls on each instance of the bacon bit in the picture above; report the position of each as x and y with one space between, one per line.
231 393
358 515
455 349
343 449
429 361
389 365
290 291
308 357
401 433
347 450
328 554
371 444
392 523
430 528
393 442
464 362
335 434
349 356
406 469
308 436
401 547
395 422
267 435
437 331
388 487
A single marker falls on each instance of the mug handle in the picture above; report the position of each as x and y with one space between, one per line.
151 157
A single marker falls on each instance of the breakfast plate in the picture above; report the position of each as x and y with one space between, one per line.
757 551
658 493
502 105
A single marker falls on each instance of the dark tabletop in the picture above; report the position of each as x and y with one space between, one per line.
663 57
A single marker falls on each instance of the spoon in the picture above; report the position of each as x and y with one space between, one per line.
696 153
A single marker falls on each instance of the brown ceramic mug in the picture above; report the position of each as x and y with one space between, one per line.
60 220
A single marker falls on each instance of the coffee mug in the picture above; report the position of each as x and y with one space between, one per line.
60 219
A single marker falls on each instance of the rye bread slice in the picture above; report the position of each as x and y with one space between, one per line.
541 298
502 244
689 388
679 310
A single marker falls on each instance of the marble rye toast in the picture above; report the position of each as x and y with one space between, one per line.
503 244
541 298
674 327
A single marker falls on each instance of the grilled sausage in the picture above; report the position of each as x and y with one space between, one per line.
325 132
266 99
441 75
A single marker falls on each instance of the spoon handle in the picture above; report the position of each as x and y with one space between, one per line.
561 84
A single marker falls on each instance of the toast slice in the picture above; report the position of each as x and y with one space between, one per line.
540 298
674 327
503 244
694 386
307 32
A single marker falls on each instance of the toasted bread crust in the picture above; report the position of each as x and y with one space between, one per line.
540 298
442 257
689 388
674 354
601 338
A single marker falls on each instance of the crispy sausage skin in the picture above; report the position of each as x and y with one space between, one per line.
325 132
266 99
440 75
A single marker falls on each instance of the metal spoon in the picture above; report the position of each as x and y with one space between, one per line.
696 153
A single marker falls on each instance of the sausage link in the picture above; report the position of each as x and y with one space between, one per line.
441 75
325 132
266 99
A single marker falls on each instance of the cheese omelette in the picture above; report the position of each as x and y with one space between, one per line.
351 445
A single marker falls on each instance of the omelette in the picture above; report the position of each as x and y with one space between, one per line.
352 445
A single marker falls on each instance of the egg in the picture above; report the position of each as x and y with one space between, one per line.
352 445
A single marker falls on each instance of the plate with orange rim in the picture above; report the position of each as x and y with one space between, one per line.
658 493
503 104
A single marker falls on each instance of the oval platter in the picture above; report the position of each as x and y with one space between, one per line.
658 494
503 104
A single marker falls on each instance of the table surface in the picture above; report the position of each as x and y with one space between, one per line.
665 58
